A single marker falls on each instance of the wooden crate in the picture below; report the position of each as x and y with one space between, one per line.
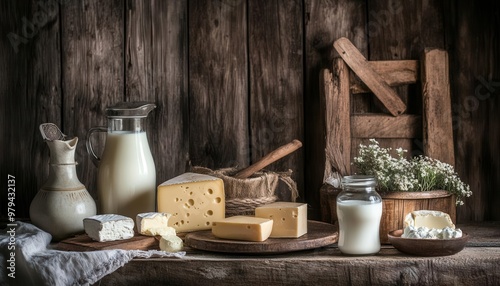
352 74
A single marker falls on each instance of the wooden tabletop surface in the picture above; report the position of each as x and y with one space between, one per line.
477 264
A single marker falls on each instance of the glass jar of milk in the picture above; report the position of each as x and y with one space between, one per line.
126 179
359 210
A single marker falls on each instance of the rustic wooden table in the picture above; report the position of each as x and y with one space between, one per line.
477 264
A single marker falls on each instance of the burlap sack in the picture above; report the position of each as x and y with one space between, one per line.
244 195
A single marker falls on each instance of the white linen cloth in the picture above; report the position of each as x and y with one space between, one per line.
37 264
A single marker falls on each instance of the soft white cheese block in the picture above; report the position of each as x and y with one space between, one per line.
109 227
194 200
171 243
243 228
429 225
289 219
154 223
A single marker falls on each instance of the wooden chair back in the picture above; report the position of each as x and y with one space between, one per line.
352 74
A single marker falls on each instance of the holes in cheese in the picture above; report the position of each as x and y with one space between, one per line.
290 219
243 228
195 200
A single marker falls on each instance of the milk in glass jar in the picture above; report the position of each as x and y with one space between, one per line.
359 210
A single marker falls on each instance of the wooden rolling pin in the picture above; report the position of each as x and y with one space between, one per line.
269 158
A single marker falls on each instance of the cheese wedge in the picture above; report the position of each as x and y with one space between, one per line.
194 200
109 227
154 223
171 243
289 219
243 228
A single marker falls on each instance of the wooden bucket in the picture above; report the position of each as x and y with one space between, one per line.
395 206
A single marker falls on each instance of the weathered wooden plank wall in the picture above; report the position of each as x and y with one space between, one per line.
218 83
30 90
92 75
326 21
233 79
276 81
473 39
156 70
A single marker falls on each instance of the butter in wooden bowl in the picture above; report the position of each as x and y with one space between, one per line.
428 233
430 225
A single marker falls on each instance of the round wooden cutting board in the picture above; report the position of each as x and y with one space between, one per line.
318 234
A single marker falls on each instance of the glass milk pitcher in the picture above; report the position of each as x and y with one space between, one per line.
126 180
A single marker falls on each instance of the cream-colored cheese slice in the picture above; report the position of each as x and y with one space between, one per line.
243 228
194 200
289 219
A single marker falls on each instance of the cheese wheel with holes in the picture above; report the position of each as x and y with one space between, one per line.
193 200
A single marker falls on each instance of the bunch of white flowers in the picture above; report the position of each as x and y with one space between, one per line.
419 174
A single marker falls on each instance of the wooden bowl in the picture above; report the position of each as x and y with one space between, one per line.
427 247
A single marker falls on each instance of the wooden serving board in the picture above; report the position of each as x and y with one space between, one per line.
318 234
84 243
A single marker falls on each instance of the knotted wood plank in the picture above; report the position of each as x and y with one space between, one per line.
218 84
438 129
384 126
358 63
394 73
336 99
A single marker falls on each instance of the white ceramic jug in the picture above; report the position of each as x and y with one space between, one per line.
63 202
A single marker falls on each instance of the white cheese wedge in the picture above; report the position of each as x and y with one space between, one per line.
243 228
171 243
154 223
109 227
429 225
289 219
194 200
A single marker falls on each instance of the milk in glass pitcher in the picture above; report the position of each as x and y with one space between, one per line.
126 180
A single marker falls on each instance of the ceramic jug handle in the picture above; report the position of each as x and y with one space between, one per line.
95 159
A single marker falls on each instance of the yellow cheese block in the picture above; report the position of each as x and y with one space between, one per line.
243 228
290 219
194 200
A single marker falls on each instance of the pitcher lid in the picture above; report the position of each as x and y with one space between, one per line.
136 109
